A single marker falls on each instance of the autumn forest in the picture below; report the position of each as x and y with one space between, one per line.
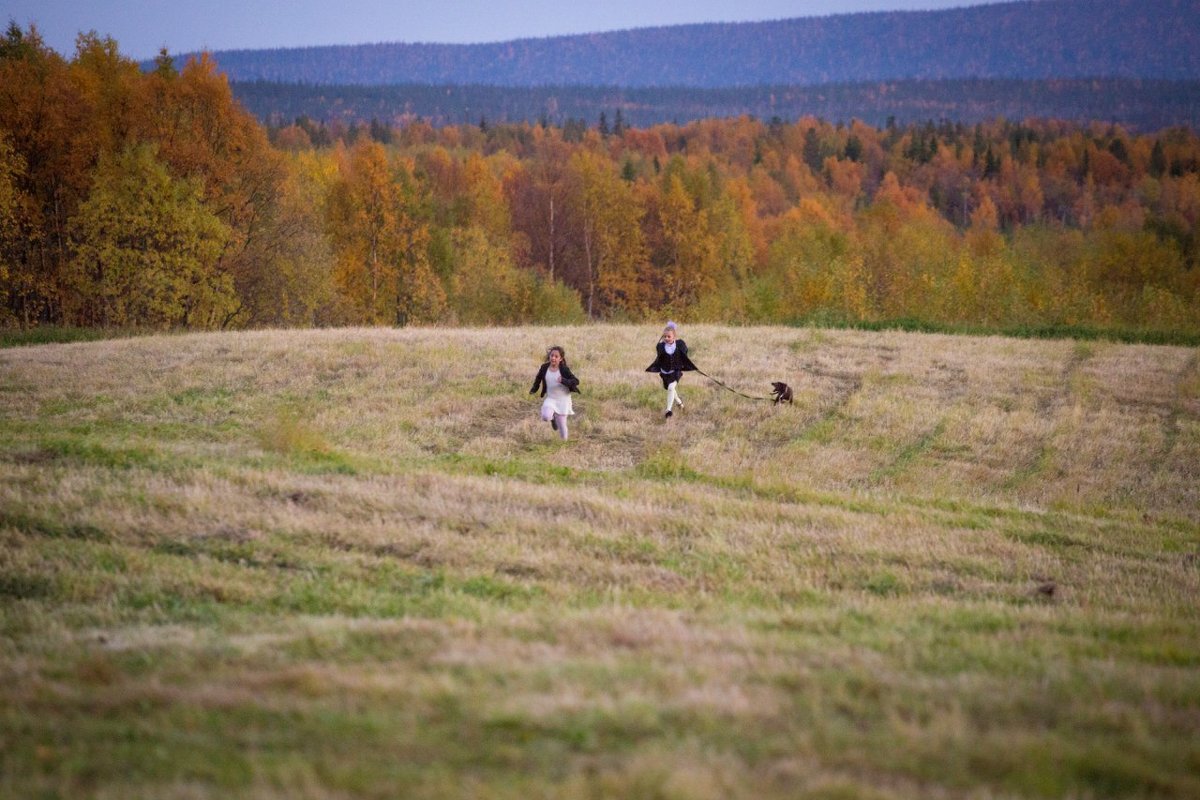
152 199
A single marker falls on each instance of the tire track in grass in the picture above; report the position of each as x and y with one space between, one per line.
1043 456
847 385
909 454
1186 382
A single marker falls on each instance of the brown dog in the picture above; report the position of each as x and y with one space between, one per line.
781 392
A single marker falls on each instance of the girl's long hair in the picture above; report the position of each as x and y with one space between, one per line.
562 353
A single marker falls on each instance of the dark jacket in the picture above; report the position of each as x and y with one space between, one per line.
674 362
564 372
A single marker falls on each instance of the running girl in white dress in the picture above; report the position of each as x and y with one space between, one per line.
557 382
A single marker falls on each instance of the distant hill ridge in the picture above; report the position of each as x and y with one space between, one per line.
1030 40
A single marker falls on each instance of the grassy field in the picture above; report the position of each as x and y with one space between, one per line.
344 564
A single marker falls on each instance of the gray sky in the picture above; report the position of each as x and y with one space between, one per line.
141 27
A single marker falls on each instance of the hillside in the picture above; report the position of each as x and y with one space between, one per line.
334 563
1051 39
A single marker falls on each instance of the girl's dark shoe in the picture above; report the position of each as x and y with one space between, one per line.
670 414
554 424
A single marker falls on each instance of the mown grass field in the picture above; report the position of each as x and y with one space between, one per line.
344 564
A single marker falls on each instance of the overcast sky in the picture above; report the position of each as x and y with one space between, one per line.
141 27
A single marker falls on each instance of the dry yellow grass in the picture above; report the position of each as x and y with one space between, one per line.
356 563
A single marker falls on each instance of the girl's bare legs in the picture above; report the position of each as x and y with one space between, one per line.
561 419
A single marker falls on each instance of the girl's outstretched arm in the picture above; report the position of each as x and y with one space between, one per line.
540 378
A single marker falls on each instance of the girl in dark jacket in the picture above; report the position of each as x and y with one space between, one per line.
670 362
557 382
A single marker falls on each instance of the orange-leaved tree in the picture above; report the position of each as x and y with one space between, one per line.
607 240
380 243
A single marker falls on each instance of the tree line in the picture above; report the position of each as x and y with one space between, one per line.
1142 105
153 199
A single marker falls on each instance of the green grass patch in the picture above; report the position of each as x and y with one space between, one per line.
46 525
884 584
1080 332
524 469
1048 538
98 454
50 334
666 462
26 586
285 433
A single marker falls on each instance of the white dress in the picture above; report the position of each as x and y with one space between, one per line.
558 397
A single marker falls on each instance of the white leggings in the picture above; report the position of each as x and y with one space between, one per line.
548 414
673 395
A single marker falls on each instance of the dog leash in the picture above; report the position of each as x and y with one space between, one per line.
730 388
